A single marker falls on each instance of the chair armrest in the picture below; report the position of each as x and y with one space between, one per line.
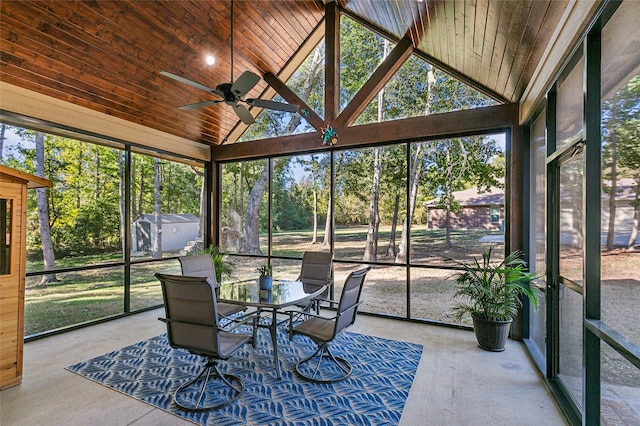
291 313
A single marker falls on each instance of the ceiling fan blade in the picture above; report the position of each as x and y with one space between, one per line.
244 83
197 105
244 114
261 103
191 83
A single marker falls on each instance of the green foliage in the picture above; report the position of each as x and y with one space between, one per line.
360 54
223 268
84 203
265 270
492 291
621 131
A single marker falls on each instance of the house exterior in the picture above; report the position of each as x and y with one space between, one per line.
177 230
478 210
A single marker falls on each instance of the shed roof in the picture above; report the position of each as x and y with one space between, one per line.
169 218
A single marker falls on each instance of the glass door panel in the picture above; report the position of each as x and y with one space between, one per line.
571 248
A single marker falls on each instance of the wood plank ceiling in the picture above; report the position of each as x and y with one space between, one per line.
107 55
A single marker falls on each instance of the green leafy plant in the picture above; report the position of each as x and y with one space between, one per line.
265 270
224 268
493 290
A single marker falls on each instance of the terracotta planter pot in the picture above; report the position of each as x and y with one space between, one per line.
491 335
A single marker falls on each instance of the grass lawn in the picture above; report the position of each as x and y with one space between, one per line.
81 296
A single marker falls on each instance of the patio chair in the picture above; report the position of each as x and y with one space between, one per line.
316 272
322 331
192 323
202 266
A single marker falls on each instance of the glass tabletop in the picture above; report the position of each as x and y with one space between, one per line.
283 293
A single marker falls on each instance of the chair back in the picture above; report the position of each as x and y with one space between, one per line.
317 270
350 299
191 313
200 265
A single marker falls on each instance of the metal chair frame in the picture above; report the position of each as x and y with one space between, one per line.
202 266
198 331
314 326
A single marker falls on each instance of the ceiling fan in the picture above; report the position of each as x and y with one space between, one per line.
233 93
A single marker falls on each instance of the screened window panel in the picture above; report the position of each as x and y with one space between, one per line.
432 295
459 207
166 209
145 287
620 266
300 197
571 342
244 215
570 106
537 228
571 219
620 387
80 296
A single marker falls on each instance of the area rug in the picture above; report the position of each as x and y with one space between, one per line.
374 394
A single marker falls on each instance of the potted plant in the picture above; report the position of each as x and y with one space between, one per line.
491 293
223 268
265 272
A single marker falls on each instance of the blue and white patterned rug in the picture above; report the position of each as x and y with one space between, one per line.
374 394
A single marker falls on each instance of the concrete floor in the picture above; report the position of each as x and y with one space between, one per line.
456 384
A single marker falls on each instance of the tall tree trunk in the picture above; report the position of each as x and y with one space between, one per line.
156 251
141 191
401 257
326 242
240 219
201 210
314 239
251 241
96 176
132 190
3 127
611 226
371 247
80 172
123 226
327 225
448 200
43 215
636 216
391 248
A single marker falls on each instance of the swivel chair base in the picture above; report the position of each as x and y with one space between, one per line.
337 369
233 387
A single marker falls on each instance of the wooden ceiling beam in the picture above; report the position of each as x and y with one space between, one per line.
303 109
375 83
332 61
436 126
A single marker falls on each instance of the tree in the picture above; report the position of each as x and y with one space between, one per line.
121 200
621 151
251 241
457 164
371 247
3 128
416 170
156 250
43 215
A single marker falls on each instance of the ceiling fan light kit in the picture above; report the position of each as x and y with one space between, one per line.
233 93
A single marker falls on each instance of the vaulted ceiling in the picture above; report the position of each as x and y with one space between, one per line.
107 55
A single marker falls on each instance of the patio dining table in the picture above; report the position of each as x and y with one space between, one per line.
284 293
